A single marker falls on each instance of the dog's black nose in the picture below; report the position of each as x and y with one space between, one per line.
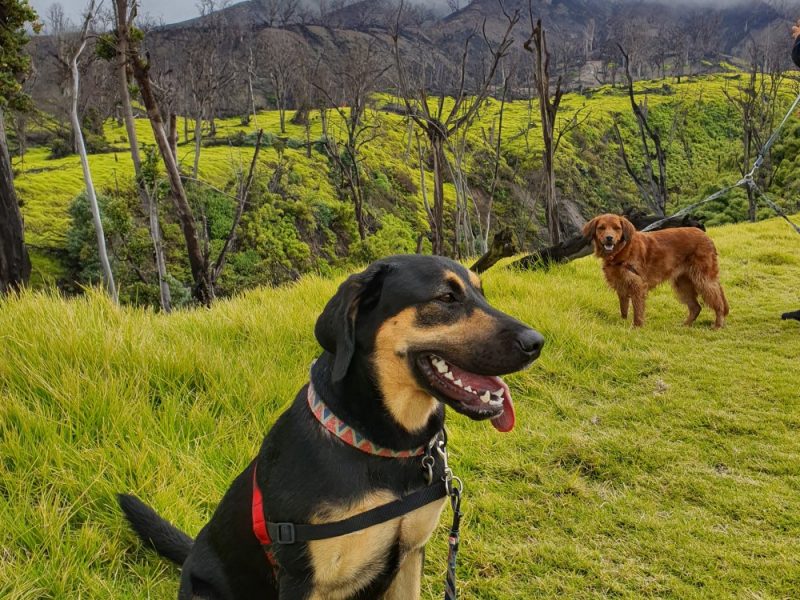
609 238
531 342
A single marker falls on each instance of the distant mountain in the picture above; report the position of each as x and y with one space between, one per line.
663 37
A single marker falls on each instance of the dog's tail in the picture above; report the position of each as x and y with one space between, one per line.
726 306
161 535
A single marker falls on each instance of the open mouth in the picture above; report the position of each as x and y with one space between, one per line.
477 396
608 247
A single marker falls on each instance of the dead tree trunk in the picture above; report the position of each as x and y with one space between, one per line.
108 274
502 247
15 265
575 247
437 213
548 109
652 186
440 124
203 290
198 144
173 134
148 201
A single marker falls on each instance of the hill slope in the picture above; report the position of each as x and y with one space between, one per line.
702 156
660 462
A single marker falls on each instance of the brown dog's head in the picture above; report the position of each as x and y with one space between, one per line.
610 233
422 330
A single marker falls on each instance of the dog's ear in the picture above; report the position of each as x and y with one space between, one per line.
627 229
590 228
336 326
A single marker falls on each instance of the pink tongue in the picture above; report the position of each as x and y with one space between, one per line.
505 422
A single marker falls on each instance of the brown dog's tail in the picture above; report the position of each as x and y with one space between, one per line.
161 535
724 301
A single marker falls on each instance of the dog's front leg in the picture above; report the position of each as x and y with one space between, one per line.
407 582
624 303
638 296
296 588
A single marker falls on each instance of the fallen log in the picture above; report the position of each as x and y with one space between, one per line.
502 247
641 220
570 249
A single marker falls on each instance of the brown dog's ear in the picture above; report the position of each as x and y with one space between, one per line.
628 229
589 229
336 326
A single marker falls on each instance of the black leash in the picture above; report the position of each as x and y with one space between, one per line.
452 543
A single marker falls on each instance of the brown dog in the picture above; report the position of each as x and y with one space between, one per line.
634 263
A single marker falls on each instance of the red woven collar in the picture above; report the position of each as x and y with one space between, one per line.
349 435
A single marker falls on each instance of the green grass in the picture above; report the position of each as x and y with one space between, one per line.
662 462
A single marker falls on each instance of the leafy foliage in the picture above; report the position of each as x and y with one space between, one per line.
14 62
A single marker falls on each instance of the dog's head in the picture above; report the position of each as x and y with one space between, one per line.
610 233
428 335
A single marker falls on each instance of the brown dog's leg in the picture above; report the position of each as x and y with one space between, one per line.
638 297
714 297
624 303
408 581
687 294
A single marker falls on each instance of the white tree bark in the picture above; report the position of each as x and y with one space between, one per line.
147 199
108 275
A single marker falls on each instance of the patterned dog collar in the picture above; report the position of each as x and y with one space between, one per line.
349 435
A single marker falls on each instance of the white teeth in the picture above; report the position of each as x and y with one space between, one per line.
449 375
500 392
486 397
468 388
497 402
458 383
440 365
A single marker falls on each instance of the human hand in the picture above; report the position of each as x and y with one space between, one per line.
796 29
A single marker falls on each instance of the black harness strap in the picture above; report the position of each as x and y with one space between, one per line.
289 533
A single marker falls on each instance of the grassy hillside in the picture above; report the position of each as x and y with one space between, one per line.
700 126
653 463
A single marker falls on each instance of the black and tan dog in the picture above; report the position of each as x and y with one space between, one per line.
401 339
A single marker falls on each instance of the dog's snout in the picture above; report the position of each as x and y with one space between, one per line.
530 342
609 238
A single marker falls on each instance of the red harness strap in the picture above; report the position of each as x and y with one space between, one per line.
260 523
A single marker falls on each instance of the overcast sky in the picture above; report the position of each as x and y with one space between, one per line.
171 11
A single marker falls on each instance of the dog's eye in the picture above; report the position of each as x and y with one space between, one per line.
447 298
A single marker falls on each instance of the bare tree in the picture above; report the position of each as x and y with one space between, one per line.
356 77
757 102
548 110
280 55
652 184
210 69
202 290
123 17
108 274
278 13
495 140
434 118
